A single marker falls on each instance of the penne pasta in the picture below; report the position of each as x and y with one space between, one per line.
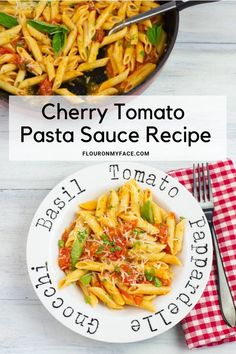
46 33
121 248
114 81
105 298
149 290
71 278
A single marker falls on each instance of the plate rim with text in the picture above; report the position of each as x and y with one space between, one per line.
67 305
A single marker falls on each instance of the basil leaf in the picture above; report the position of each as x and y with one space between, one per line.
57 42
7 20
82 235
100 250
87 299
61 243
157 282
77 247
147 212
86 279
148 276
43 26
154 34
76 252
64 28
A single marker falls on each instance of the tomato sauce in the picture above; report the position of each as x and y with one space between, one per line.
45 87
64 258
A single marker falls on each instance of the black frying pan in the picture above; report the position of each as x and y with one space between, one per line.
172 28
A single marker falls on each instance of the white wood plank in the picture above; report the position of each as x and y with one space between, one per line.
209 23
26 328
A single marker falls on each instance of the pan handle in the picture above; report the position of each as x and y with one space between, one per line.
181 5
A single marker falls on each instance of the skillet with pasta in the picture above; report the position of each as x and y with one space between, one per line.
120 248
63 47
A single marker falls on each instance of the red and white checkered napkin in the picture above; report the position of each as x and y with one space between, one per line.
204 326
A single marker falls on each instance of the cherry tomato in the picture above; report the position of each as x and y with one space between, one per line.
162 236
17 60
64 258
138 300
126 294
92 248
6 51
128 275
45 88
165 282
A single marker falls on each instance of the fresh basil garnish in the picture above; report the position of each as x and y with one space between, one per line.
61 243
154 34
7 20
58 41
44 26
77 247
147 212
57 31
86 279
157 282
76 252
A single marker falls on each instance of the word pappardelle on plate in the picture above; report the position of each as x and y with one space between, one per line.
63 47
120 248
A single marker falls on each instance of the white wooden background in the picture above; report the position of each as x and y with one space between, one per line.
203 62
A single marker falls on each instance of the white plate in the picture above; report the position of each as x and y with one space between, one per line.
100 323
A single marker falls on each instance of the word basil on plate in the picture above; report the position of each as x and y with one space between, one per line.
7 20
57 31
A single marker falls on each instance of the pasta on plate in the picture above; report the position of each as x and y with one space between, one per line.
63 47
120 249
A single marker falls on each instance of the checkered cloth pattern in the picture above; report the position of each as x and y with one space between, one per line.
204 326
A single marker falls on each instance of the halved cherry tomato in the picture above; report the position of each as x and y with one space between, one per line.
20 62
138 300
45 88
6 51
64 258
165 282
126 294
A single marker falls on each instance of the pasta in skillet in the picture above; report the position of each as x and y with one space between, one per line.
63 47
120 248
